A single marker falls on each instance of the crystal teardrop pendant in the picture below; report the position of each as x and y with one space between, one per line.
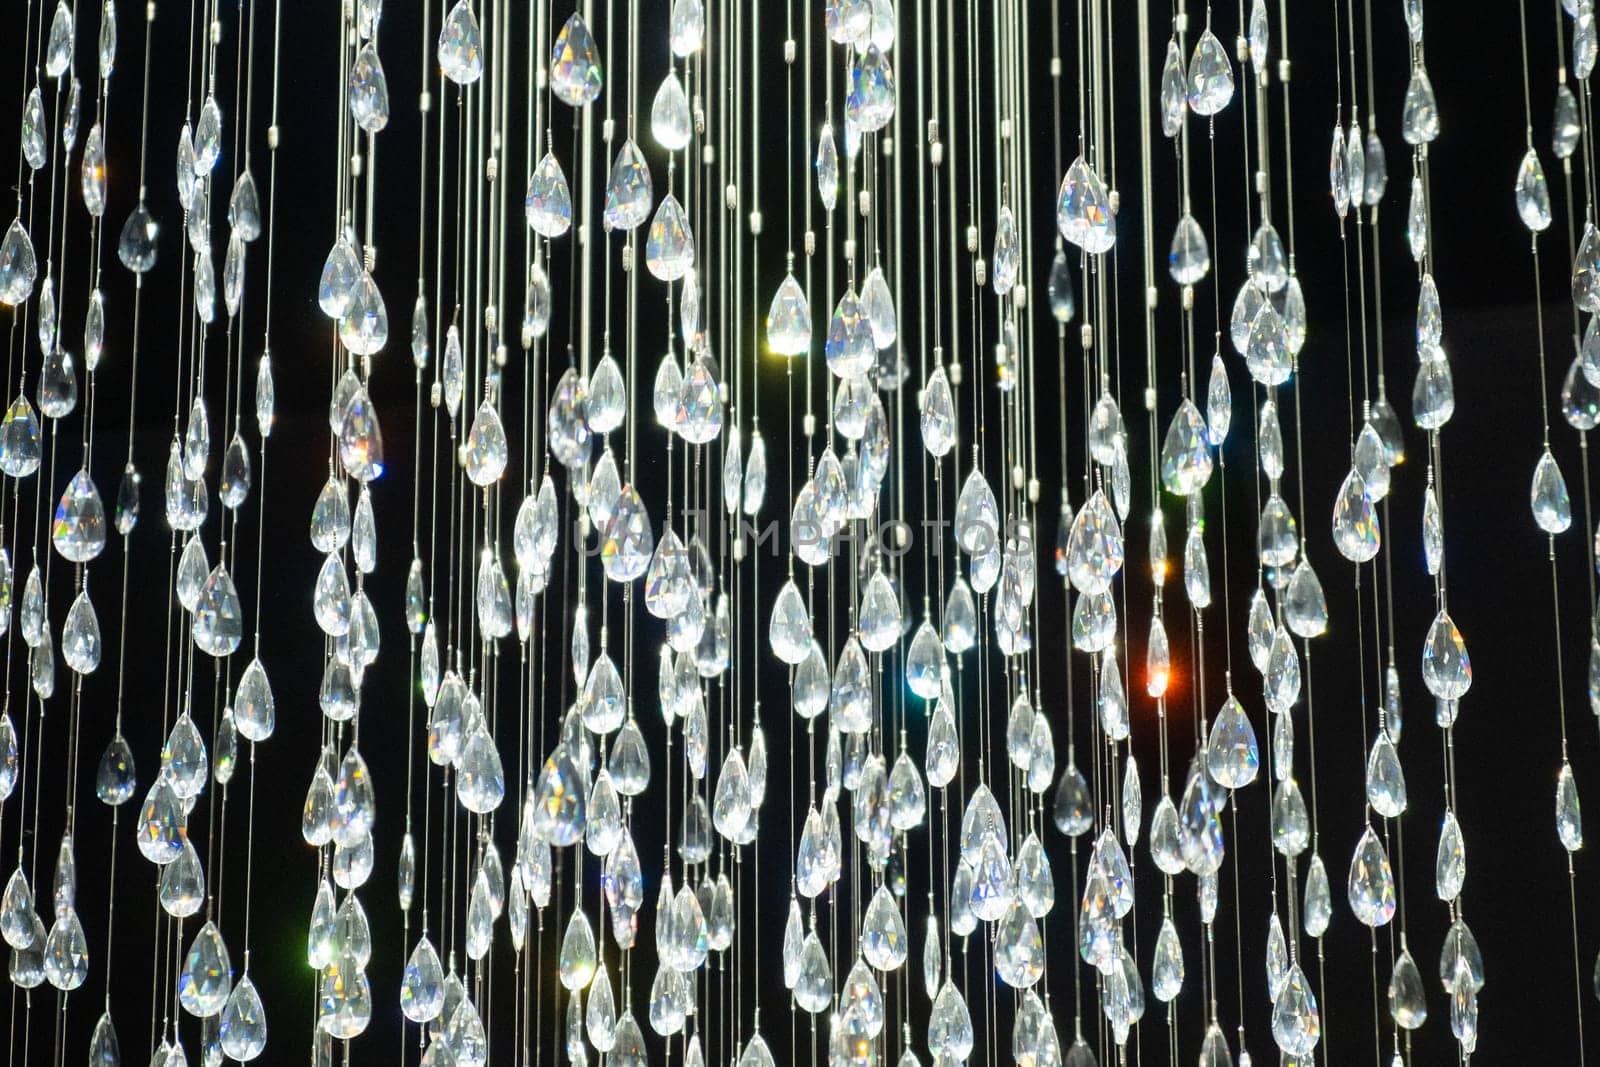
670 122
17 265
460 45
1083 210
628 189
669 246
1210 76
574 64
548 204
369 90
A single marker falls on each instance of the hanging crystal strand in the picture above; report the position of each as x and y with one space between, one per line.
1446 665
1167 967
1552 507
422 984
50 946
115 781
1094 554
1373 891
1569 125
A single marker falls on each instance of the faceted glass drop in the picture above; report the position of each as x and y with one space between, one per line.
1189 260
1210 76
1419 119
460 45
669 247
1533 193
35 132
1174 91
1305 606
104 1049
548 204
66 951
1185 453
1338 180
361 439
1291 825
207 977
1166 973
628 190
80 636
340 273
827 167
1317 912
114 779
1566 127
93 174
789 319
1083 209
877 308
484 452
1450 860
58 385
670 121
1371 885
1569 817
1446 667
1219 403
813 988
79 529
608 402
1267 350
1355 521
939 428
1585 43
20 450
1296 1024
369 90
686 29
1552 507
364 327
58 49
1386 783
870 97
207 137
18 268
243 1029
574 64
1408 1002
183 884
1094 547
1007 252
1232 756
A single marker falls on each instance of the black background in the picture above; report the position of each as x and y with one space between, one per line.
1507 741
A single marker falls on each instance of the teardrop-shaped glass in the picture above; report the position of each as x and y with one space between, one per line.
548 204
1569 816
79 529
484 453
1371 886
669 246
670 121
460 45
1552 507
1210 76
17 265
1533 193
1189 259
1185 452
575 64
1419 119
207 977
1083 208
